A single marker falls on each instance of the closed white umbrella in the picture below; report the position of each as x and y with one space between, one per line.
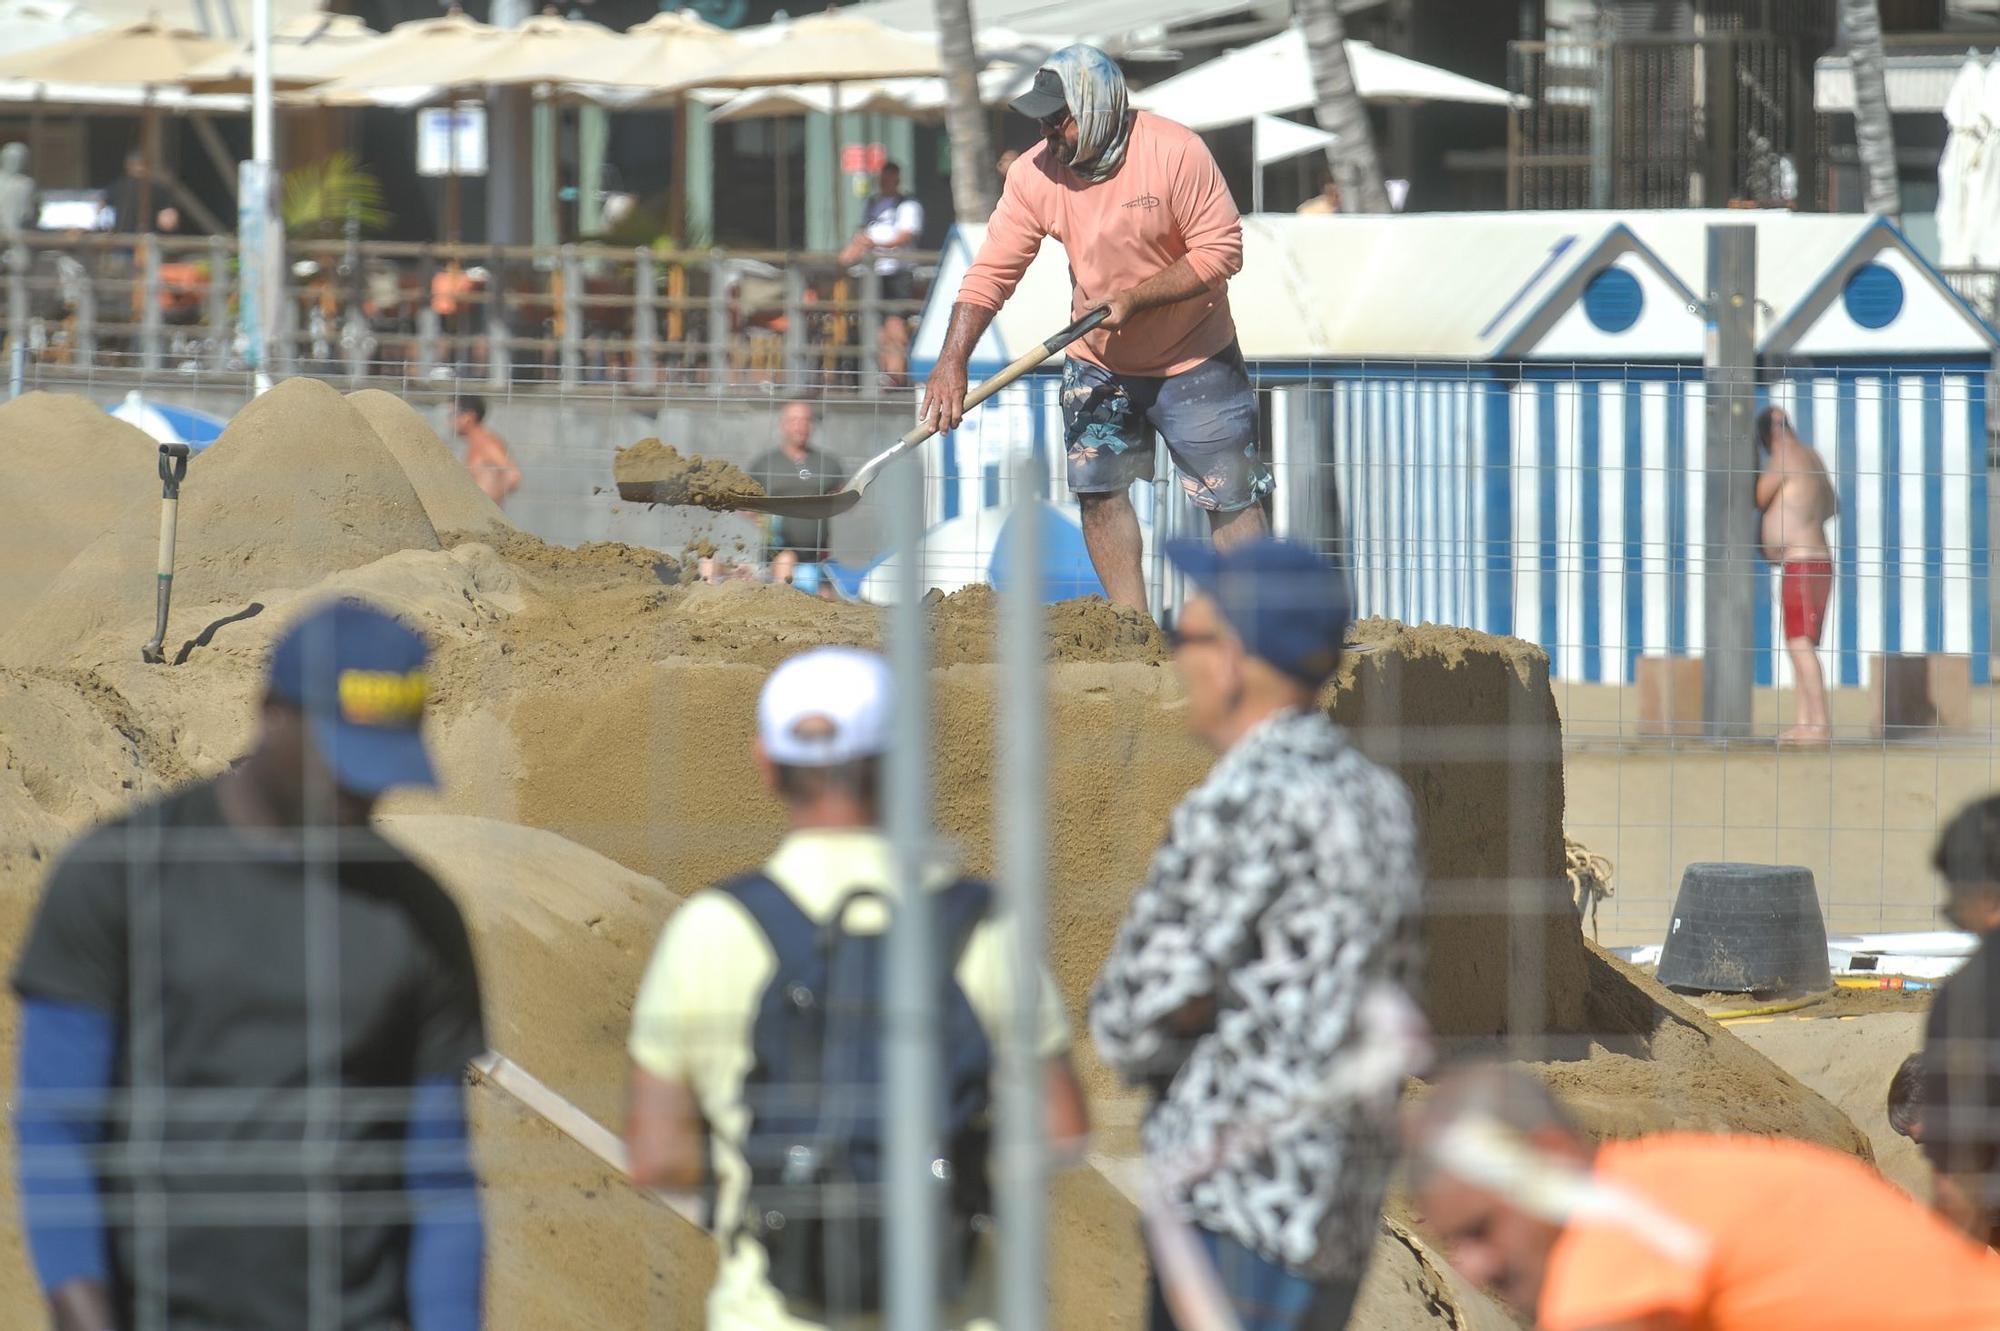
1959 167
305 50
1274 77
1983 193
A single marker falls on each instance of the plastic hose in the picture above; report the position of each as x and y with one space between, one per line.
1769 1010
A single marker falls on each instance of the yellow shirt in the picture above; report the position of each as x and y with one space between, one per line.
692 1024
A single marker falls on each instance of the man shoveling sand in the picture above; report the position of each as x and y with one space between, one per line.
650 472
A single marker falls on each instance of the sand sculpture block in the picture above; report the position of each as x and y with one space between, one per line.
1919 691
1669 695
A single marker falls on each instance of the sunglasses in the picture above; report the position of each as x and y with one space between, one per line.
1177 639
1054 121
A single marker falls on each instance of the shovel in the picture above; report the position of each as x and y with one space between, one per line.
847 496
173 469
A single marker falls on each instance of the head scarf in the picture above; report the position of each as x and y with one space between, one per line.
1094 87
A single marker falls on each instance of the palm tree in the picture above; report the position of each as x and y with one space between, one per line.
965 118
1339 109
321 199
1874 133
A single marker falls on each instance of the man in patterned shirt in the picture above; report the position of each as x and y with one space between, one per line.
1284 898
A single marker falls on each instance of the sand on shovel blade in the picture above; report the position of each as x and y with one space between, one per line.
650 472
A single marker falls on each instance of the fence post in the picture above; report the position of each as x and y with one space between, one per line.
428 323
718 327
18 259
570 311
499 356
645 322
1729 515
149 308
870 330
221 334
86 314
795 323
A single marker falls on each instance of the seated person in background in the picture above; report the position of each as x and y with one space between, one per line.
797 466
1681 1231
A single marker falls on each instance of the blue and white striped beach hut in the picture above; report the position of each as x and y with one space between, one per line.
1509 409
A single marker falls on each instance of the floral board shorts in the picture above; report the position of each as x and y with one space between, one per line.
1207 415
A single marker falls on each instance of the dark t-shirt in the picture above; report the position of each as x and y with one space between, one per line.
820 473
241 978
1961 1106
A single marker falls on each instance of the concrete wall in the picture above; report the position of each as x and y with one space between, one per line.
565 443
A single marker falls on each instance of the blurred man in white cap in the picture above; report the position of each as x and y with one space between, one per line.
756 1037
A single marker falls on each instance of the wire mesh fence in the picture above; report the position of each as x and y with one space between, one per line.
1531 552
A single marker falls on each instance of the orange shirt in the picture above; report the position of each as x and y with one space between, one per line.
1166 201
1800 1239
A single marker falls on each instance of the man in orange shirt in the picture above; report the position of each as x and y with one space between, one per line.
1152 237
1681 1231
486 455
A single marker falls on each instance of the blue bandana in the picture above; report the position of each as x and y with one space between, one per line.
1094 87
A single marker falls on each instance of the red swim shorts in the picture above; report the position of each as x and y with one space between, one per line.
1804 586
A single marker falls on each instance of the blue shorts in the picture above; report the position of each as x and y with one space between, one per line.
1207 415
1263 1295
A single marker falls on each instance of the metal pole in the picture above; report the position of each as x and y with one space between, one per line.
1729 457
149 303
572 317
795 320
1022 1162
260 231
911 1193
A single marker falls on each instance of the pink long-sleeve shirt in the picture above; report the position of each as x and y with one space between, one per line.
1167 200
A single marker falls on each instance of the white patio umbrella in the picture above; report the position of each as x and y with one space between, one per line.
1273 139
918 99
830 48
1959 169
306 49
1983 195
1274 77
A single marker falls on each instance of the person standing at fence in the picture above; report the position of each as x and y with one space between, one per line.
1153 238
245 1022
797 466
757 1034
486 456
1796 499
1960 1096
1679 1231
1285 894
891 222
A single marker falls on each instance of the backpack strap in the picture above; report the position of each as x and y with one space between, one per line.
960 909
791 932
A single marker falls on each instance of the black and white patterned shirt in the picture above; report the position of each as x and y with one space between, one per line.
1287 889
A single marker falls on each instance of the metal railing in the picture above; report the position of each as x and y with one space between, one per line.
505 316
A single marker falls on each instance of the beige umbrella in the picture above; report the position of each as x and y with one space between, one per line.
307 49
831 48
653 63
825 48
412 63
148 54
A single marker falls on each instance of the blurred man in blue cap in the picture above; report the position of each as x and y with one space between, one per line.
245 1023
1285 893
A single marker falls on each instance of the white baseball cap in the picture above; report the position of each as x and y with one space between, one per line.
845 687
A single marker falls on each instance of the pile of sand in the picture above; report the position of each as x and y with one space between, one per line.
650 472
450 498
299 486
68 472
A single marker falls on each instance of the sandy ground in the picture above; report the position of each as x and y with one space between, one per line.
1849 1060
592 725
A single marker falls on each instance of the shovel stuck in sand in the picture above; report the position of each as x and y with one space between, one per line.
173 470
847 496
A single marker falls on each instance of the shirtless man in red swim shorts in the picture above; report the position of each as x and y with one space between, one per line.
1796 498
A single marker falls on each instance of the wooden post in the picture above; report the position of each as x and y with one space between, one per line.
149 303
429 326
718 327
1729 459
645 322
86 311
221 331
499 356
